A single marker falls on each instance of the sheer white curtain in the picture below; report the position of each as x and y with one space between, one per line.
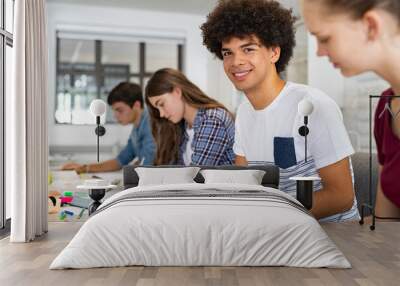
27 123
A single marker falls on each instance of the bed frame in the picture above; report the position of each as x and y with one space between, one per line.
270 179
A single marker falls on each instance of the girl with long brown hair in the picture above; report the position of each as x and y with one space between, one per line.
189 127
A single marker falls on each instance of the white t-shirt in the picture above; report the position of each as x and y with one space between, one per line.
271 136
187 155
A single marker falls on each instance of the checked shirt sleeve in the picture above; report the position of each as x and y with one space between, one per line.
210 143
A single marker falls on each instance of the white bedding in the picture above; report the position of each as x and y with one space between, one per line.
206 230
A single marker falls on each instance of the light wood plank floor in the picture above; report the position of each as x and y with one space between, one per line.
375 257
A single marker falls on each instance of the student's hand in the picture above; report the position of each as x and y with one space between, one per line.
77 167
70 166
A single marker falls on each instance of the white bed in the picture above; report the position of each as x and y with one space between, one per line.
221 225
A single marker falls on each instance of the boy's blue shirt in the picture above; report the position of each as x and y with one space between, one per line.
140 144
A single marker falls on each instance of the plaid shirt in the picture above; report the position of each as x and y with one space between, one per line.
214 131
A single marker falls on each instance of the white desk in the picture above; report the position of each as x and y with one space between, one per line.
68 181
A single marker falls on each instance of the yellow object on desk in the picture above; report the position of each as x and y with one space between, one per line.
50 178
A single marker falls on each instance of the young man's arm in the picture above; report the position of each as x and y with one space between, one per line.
127 154
124 157
106 166
337 194
147 151
330 147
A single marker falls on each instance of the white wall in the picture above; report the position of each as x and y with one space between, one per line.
322 74
296 70
219 85
356 107
93 18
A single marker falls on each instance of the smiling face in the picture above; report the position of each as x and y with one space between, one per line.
350 44
170 105
248 63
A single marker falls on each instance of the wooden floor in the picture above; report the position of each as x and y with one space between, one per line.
375 257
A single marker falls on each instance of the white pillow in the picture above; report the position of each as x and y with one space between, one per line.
248 177
164 176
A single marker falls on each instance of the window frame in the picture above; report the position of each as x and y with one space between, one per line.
142 74
6 39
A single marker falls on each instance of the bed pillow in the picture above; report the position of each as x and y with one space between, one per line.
165 176
248 177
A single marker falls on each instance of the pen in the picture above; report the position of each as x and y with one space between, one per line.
81 213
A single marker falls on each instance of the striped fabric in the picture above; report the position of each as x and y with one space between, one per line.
308 168
214 131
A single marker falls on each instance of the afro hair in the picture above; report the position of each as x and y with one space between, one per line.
268 20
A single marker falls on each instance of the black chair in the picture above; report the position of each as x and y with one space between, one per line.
364 188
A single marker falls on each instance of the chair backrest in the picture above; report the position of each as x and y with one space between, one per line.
270 179
360 162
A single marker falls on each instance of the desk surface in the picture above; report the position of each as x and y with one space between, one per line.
68 181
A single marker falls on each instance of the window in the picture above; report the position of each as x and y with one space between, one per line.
6 43
89 69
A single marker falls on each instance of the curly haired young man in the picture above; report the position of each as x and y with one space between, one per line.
255 41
